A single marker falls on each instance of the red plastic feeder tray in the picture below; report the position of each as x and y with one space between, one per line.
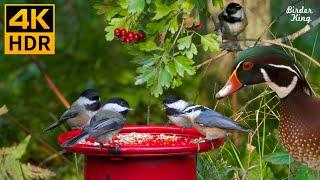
165 152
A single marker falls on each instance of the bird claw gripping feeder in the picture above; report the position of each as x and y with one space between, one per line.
143 152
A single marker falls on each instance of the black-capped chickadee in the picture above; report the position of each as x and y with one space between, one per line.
106 124
233 21
210 123
174 106
81 111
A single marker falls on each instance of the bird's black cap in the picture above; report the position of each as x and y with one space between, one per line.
232 8
91 94
119 101
171 99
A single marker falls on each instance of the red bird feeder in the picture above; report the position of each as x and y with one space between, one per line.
145 152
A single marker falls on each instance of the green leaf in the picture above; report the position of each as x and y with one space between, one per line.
149 45
156 90
114 23
209 42
183 64
161 11
174 26
123 4
145 74
177 82
187 6
111 12
165 78
191 51
279 158
101 8
18 150
170 67
184 43
3 110
136 6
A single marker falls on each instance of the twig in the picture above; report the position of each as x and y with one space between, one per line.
217 56
49 81
300 32
291 48
273 21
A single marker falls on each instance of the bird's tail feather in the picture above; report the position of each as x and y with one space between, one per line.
74 140
52 126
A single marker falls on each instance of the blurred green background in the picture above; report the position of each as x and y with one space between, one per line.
84 59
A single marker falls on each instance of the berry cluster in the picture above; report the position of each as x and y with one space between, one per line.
129 37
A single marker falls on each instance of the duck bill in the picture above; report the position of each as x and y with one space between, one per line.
231 86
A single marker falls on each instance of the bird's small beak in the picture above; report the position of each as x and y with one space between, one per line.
164 107
231 86
130 109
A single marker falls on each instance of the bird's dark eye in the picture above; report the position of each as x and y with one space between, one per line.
247 66
95 98
189 111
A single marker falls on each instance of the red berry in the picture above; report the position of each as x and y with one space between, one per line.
130 35
136 38
199 26
117 32
126 40
141 35
123 32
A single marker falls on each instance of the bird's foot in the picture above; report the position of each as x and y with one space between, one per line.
114 150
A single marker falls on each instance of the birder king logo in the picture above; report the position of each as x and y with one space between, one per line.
299 14
29 29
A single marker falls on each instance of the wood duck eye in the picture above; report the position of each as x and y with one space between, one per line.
247 66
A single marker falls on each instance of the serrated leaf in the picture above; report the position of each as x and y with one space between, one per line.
184 43
149 45
174 25
136 6
187 6
279 158
170 67
123 4
209 42
165 78
177 82
111 12
114 23
183 64
161 11
146 73
156 90
190 52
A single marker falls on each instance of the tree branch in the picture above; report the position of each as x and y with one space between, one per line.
217 56
50 83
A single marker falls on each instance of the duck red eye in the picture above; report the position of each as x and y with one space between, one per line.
247 66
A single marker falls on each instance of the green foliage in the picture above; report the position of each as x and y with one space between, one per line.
170 47
280 157
12 168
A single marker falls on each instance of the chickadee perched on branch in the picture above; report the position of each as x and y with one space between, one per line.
233 21
81 111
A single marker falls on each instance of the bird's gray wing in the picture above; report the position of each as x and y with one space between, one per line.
70 113
211 118
105 126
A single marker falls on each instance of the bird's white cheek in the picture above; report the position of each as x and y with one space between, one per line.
281 91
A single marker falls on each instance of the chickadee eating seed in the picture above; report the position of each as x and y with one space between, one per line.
174 106
210 123
233 21
81 111
106 124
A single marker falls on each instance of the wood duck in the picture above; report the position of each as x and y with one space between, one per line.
299 127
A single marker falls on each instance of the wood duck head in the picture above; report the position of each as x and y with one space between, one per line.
264 64
299 111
